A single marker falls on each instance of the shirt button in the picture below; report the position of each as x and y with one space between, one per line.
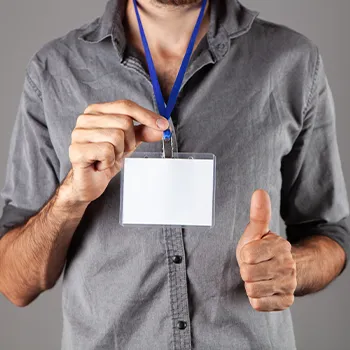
181 324
221 47
177 259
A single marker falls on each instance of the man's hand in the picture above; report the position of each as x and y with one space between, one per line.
265 259
33 256
103 136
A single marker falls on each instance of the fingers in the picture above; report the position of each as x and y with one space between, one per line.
146 134
269 273
82 155
131 109
259 272
272 269
265 260
107 124
112 136
268 288
265 249
105 133
133 135
272 303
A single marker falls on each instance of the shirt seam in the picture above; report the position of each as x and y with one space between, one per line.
39 94
313 84
34 87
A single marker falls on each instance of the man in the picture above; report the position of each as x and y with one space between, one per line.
255 94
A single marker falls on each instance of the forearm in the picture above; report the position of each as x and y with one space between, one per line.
32 257
319 260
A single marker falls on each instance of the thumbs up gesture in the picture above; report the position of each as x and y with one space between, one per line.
265 260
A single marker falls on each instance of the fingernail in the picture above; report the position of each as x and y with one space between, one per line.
162 123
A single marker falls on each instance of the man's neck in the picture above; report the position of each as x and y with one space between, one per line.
168 28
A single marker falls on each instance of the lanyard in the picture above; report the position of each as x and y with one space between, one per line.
165 110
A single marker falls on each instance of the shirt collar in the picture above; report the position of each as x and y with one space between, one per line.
110 24
228 19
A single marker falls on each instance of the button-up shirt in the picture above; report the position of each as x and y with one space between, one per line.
256 95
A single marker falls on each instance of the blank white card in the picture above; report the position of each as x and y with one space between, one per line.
158 191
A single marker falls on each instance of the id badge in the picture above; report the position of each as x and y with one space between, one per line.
176 191
170 189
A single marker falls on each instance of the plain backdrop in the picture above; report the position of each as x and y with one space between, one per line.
321 321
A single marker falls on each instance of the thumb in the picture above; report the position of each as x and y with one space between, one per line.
260 216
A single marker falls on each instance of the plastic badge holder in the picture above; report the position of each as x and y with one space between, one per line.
158 191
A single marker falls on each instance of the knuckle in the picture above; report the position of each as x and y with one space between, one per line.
293 267
287 286
252 290
289 265
293 285
115 136
81 119
74 153
125 103
130 147
125 122
289 300
120 136
286 302
249 289
286 245
75 134
71 151
250 258
256 304
246 272
128 123
108 150
247 255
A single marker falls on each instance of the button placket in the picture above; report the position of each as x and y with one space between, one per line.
178 288
177 278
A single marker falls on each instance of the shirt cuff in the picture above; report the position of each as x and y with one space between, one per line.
339 232
13 217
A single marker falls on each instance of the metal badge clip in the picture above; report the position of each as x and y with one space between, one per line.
168 150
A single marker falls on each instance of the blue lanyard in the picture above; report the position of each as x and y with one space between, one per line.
165 110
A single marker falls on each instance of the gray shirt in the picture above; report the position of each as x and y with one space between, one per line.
256 95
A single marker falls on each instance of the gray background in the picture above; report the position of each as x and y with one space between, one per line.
322 320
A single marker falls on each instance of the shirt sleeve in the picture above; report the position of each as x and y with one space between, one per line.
314 198
32 167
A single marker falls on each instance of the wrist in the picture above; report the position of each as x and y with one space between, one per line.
67 200
302 261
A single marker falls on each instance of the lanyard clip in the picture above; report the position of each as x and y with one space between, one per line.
168 148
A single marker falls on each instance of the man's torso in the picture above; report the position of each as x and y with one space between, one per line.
121 288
